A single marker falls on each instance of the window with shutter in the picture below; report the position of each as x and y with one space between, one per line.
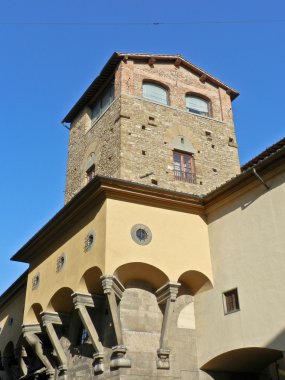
197 105
155 93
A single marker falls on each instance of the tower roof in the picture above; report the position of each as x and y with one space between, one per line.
116 57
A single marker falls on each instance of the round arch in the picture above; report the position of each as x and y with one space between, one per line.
90 281
250 359
193 281
8 356
141 275
33 315
61 301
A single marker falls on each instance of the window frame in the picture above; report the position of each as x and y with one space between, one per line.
90 173
182 175
158 85
228 309
98 101
201 97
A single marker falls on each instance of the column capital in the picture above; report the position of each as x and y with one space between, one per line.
50 317
31 328
111 283
86 299
167 292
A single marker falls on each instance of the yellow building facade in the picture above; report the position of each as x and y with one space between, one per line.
167 259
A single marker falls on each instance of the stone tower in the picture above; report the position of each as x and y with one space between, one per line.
156 120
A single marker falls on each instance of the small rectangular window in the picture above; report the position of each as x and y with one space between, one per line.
90 173
184 168
231 301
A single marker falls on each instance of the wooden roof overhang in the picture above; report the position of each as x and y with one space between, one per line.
116 58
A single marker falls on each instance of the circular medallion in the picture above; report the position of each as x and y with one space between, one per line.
89 241
141 234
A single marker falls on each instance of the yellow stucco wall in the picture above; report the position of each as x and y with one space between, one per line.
179 240
179 244
247 244
77 260
12 309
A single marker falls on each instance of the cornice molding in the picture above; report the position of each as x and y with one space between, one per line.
102 188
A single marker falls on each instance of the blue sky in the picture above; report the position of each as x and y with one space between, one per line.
46 65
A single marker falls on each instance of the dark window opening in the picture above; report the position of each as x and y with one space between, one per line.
90 173
231 301
141 234
83 336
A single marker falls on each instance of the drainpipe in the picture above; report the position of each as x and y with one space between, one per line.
260 179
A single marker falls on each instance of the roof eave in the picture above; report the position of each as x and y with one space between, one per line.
97 191
111 65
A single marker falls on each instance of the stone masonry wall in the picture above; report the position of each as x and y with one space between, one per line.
146 146
101 140
135 137
148 134
179 81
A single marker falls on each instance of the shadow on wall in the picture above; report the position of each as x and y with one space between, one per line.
141 275
260 363
91 282
247 199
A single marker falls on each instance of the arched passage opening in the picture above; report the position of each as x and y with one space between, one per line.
248 360
141 275
193 282
33 316
9 362
61 301
90 282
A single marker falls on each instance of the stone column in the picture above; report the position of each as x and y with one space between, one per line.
166 295
30 335
114 292
50 319
81 302
6 361
20 353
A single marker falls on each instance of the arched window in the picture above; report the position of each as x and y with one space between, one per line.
155 92
197 105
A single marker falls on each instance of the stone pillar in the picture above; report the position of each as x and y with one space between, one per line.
30 335
6 361
166 295
81 302
114 292
20 353
50 319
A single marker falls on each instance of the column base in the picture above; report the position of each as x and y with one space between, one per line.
62 369
50 374
119 358
98 364
163 358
